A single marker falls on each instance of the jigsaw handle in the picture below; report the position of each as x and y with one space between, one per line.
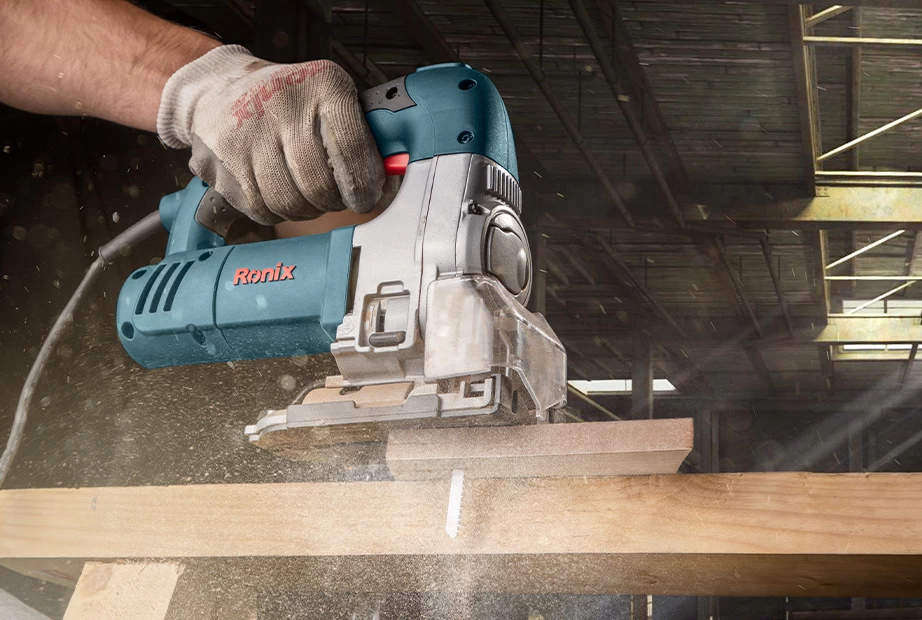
197 218
439 110
207 302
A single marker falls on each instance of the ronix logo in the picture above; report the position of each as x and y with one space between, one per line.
252 276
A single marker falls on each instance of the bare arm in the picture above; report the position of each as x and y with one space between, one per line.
103 58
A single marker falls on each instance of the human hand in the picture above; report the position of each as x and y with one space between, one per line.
279 142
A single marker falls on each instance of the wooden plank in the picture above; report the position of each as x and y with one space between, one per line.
139 591
543 450
770 534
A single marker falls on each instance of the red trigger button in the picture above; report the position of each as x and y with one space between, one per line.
396 165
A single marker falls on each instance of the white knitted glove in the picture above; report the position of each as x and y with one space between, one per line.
277 141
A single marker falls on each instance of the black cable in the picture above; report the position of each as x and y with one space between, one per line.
310 387
107 253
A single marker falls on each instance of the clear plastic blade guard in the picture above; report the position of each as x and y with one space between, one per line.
475 327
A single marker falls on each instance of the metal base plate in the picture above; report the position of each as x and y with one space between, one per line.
333 417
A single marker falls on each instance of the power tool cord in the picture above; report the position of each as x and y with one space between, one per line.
107 254
310 387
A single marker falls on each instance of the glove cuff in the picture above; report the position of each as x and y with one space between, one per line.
185 88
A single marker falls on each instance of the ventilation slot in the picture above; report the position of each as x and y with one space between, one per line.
147 286
504 186
162 287
168 305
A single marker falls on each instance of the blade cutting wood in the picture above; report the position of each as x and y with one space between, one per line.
455 493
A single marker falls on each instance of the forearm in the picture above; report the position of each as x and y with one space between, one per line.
102 58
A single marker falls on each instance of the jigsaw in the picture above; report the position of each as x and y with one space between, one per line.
422 307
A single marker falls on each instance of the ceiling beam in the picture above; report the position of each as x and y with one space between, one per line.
826 14
820 260
592 403
827 365
754 355
761 369
734 331
554 269
776 282
862 41
805 86
577 263
844 207
853 103
578 350
625 276
540 79
912 251
625 97
907 366
424 32
627 61
677 367
641 372
437 50
871 134
682 372
870 330
737 285
879 208
724 208
368 72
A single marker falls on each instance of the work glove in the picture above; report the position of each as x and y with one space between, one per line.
277 141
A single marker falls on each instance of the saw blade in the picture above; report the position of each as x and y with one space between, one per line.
455 493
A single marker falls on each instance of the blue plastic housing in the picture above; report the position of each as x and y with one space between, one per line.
458 110
195 307
198 305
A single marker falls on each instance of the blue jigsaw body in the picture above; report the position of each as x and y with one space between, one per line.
208 302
